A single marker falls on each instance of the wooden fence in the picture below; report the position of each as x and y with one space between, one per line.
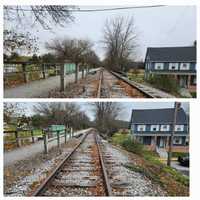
47 136
24 72
59 135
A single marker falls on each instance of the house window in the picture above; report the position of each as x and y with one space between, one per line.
177 140
164 128
173 66
159 66
179 128
141 128
185 66
154 127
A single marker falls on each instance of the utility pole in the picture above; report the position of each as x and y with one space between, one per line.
176 107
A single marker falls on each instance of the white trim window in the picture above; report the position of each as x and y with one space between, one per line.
185 66
164 128
177 140
179 127
159 66
141 128
173 66
154 127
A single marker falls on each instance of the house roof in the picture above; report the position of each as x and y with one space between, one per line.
171 54
158 116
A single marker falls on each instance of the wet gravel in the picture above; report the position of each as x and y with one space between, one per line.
21 178
78 177
125 182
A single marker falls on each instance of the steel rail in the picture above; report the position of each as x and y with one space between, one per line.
100 83
132 85
105 175
44 184
42 187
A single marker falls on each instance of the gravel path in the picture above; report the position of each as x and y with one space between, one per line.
30 150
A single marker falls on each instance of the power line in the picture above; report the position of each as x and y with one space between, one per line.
89 10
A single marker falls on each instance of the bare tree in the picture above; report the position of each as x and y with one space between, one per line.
28 17
68 114
120 40
43 15
106 114
74 50
14 41
11 110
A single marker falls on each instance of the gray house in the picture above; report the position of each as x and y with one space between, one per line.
179 62
152 127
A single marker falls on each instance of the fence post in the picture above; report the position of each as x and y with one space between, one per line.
17 138
62 78
82 72
33 140
76 73
43 71
65 135
58 139
24 73
45 137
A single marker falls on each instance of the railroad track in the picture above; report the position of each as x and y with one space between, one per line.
112 85
81 173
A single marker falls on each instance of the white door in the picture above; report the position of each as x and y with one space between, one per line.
161 142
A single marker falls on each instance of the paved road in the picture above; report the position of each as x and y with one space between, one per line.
182 169
37 88
30 150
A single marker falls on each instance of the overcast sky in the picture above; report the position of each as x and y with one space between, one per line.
125 113
165 26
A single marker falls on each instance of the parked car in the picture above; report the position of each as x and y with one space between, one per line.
184 160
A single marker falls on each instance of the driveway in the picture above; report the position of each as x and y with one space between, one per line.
182 169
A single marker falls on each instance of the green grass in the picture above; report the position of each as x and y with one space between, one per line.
153 168
177 154
194 94
177 175
164 82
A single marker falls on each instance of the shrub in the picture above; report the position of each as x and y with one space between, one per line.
164 82
132 146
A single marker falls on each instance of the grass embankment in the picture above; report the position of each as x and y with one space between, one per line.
148 163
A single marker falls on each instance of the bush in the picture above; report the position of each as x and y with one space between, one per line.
132 146
127 143
164 82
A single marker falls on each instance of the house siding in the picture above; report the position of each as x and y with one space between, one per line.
150 66
134 129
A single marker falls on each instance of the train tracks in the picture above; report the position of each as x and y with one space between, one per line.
81 173
114 85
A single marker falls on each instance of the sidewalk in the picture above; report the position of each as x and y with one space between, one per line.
30 150
37 88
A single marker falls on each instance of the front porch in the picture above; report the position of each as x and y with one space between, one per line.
180 143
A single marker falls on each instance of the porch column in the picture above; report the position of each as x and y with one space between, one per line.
167 144
188 81
155 142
